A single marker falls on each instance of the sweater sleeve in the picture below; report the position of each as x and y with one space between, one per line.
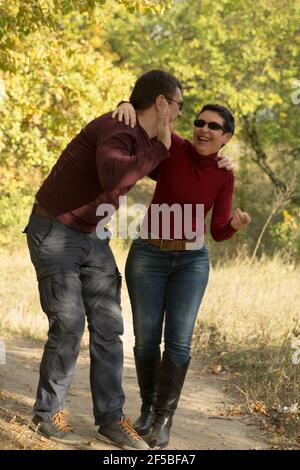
119 167
178 144
220 227
153 174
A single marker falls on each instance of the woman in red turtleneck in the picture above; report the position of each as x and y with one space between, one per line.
166 280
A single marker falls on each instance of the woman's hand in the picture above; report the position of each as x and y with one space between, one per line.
125 112
163 125
240 219
225 163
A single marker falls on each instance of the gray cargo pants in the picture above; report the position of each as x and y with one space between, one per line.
77 277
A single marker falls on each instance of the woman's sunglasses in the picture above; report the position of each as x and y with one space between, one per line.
214 126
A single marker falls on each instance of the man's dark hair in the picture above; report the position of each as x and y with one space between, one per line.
151 84
229 123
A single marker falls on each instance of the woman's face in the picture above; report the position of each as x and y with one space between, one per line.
208 141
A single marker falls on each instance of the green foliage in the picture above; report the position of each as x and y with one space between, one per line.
61 84
286 233
21 18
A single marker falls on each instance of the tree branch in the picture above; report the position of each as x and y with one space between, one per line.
261 157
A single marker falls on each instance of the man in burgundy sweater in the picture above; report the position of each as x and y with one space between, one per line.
76 271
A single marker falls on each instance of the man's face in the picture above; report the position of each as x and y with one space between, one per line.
174 103
208 141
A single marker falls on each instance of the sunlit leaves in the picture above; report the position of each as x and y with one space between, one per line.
61 83
20 18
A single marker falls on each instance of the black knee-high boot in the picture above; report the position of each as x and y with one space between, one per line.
147 375
171 380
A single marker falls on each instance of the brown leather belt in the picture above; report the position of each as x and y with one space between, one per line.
172 245
38 210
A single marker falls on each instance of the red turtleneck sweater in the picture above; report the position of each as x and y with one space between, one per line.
189 178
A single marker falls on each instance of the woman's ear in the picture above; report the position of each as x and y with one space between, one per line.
228 136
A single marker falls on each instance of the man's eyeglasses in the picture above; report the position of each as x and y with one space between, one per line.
214 126
180 103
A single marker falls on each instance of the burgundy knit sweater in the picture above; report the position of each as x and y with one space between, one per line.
189 178
101 163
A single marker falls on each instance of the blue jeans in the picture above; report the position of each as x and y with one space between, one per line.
165 286
77 279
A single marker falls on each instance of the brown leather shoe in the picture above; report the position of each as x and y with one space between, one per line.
57 429
121 433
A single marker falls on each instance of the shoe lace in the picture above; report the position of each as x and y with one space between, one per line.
127 427
61 421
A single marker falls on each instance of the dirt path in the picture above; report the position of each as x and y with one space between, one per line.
198 423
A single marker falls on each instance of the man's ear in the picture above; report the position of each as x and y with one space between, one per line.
158 101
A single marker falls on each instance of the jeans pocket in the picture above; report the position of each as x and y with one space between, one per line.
142 242
119 285
40 231
57 293
47 297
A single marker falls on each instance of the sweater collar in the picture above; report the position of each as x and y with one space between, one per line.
205 160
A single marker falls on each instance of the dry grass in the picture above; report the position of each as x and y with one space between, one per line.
249 318
257 302
15 434
20 313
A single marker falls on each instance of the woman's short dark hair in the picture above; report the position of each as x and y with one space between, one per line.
229 123
151 84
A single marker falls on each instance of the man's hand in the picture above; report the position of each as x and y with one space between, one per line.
240 219
127 112
163 126
225 163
